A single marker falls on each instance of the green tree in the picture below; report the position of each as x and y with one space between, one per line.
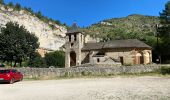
39 14
18 6
2 2
10 4
37 61
57 22
164 32
16 43
56 59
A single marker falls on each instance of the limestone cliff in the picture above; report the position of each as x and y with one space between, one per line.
49 38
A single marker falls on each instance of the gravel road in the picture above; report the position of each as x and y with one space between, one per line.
116 88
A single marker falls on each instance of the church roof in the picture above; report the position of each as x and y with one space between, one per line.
130 43
74 29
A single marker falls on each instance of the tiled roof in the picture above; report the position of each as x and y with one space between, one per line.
130 43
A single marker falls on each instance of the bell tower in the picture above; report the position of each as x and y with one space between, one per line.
73 46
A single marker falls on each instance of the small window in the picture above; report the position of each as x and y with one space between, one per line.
98 60
75 37
69 38
121 60
72 44
101 53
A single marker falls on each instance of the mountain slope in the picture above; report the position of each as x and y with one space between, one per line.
132 24
50 38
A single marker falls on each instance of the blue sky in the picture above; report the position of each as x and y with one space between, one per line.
87 12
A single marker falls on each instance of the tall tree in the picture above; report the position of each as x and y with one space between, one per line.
164 32
16 43
18 6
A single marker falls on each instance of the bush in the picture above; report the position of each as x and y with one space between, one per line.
37 61
18 7
56 59
165 70
10 4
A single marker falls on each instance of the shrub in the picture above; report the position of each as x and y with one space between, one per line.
10 4
165 70
37 61
18 7
56 59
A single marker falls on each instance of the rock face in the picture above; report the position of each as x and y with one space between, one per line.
48 38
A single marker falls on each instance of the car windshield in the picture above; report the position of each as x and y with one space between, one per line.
4 71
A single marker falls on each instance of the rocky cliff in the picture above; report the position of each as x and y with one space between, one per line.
49 38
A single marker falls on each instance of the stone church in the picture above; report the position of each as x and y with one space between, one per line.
124 52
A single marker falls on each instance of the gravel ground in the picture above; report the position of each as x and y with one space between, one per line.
116 88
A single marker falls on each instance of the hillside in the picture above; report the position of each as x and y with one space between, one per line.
52 35
49 37
132 26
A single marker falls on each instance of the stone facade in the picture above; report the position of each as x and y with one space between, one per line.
124 56
118 52
73 46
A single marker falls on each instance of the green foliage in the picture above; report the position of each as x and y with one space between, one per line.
57 22
17 7
10 4
131 27
47 20
2 2
38 14
52 26
86 73
164 33
16 43
29 10
37 61
130 24
165 70
56 59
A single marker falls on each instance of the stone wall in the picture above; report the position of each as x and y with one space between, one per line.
46 73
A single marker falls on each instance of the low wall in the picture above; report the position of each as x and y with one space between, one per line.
46 73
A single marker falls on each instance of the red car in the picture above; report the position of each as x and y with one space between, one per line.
10 75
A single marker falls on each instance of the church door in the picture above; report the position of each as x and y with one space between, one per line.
72 58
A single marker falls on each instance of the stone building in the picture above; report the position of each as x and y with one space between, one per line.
125 52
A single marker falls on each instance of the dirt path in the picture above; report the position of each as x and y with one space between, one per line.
136 88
